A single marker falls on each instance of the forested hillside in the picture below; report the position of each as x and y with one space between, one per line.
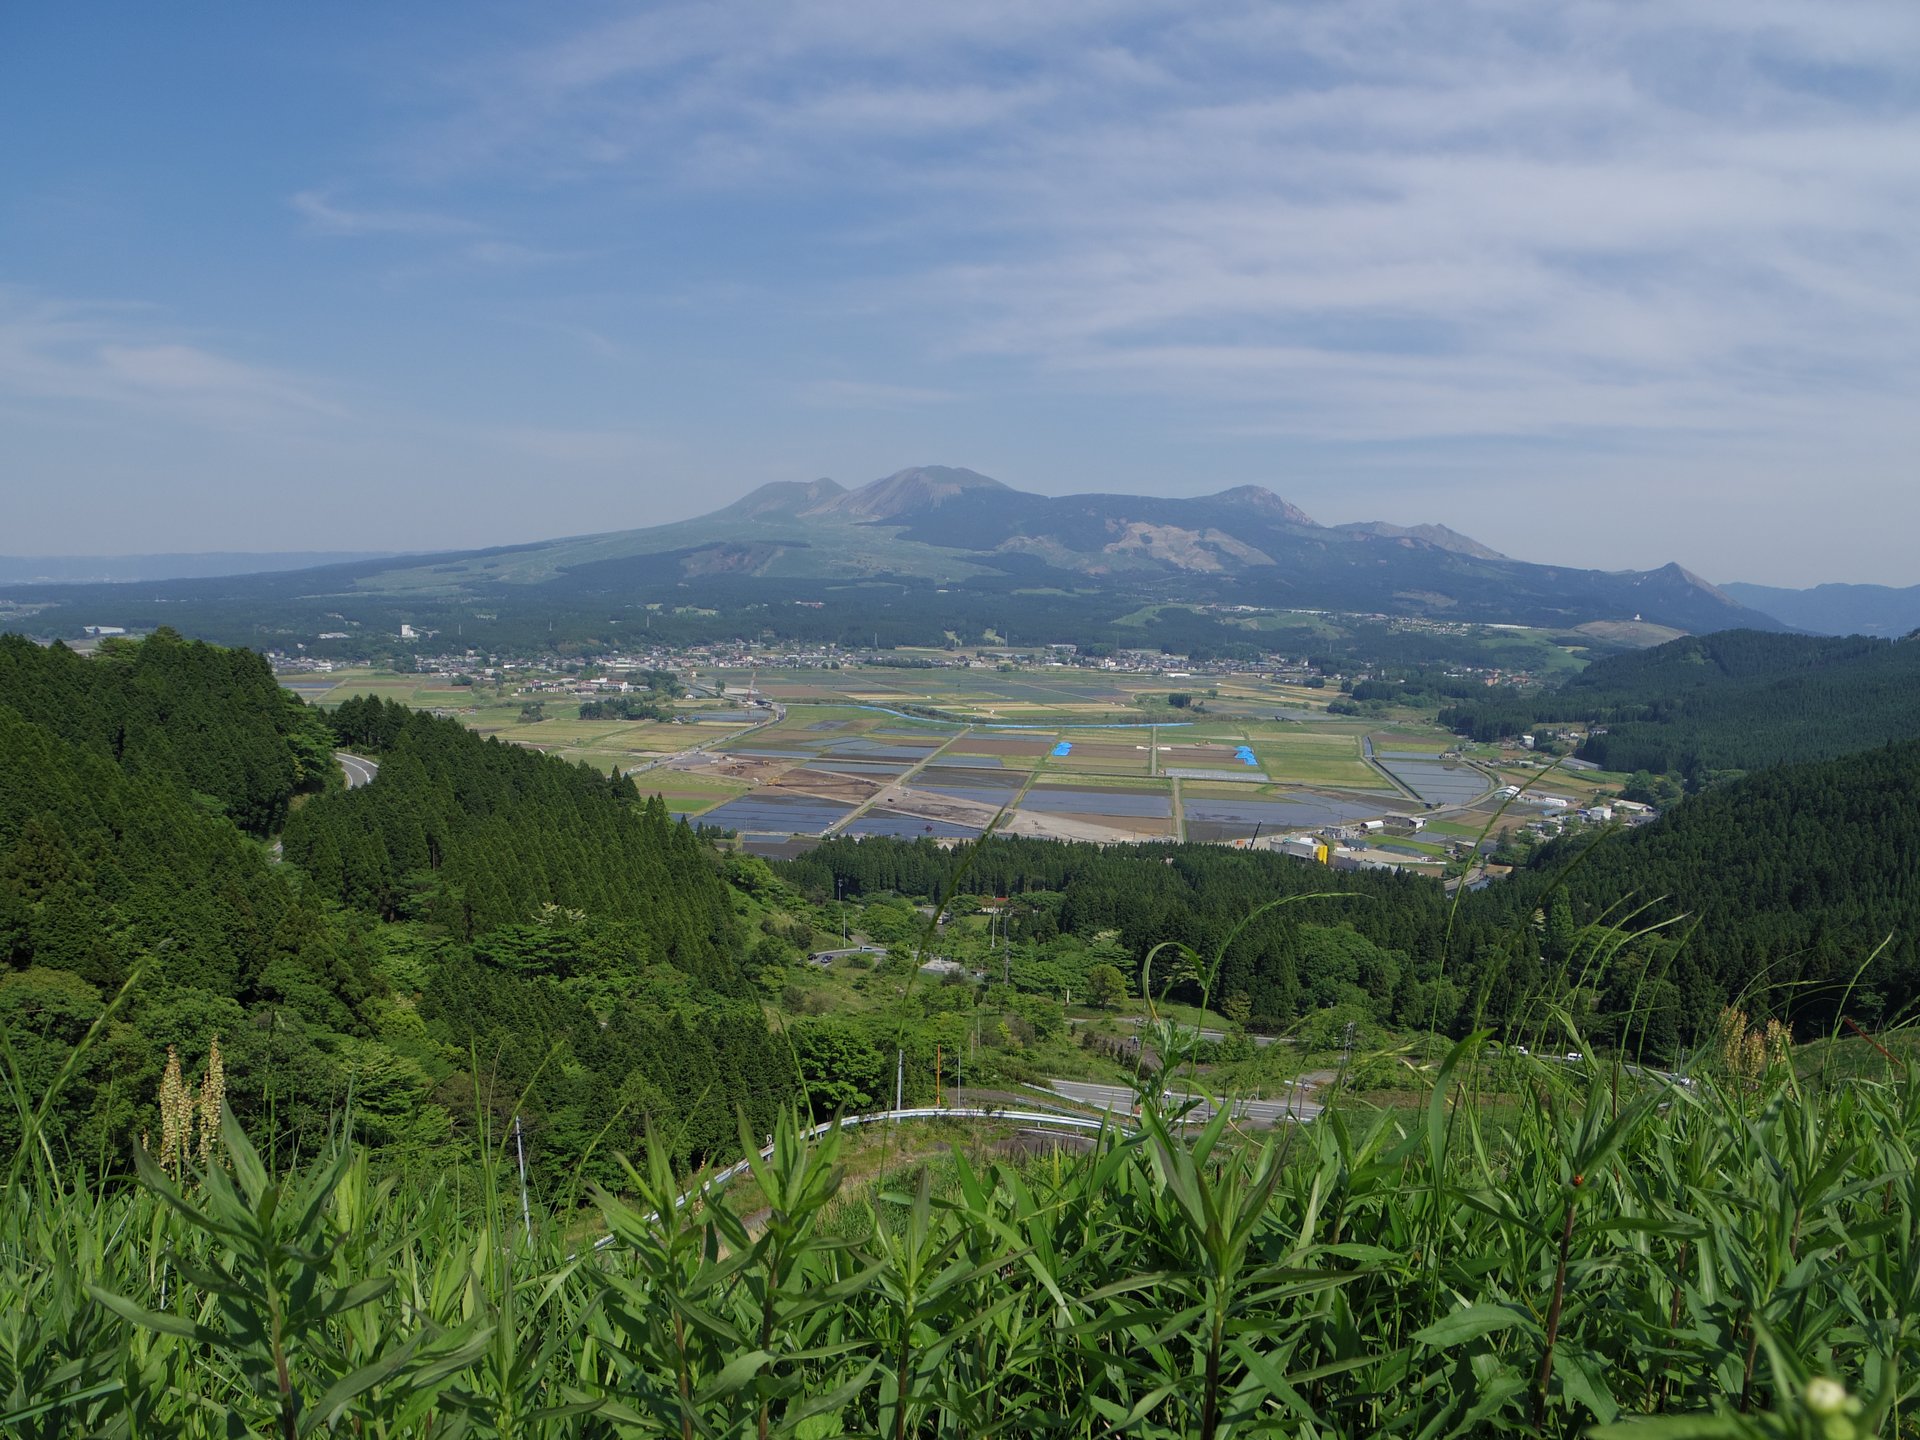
604 969
479 925
200 720
1779 886
1705 705
1375 939
1771 892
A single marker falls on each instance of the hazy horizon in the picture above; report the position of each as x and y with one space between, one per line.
1607 286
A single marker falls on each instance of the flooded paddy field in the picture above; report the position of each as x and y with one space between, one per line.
776 814
1218 818
1433 780
1109 800
892 769
985 787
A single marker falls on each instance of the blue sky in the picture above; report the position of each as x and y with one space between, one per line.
1600 284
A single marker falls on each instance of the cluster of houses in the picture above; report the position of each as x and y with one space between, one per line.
1366 844
1559 808
1351 847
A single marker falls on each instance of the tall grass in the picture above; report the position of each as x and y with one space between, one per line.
1666 1259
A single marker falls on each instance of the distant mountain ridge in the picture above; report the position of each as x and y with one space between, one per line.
112 569
938 531
1836 609
951 525
1438 535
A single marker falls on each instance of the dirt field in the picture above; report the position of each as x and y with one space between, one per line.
995 745
1143 826
1105 828
849 789
936 807
737 767
1133 754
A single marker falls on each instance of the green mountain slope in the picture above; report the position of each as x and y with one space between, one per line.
1796 878
482 931
1740 700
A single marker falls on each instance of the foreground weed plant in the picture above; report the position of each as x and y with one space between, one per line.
1617 1256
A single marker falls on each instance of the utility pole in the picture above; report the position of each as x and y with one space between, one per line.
937 1092
900 1079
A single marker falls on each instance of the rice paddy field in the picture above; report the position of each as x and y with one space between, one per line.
1054 752
1109 780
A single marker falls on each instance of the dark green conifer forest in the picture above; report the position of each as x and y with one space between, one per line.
481 933
1709 707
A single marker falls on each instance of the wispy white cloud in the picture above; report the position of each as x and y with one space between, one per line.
109 357
1365 221
1672 246
329 217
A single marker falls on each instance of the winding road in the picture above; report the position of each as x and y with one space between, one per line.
359 770
1118 1100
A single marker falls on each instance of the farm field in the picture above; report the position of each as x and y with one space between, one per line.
1054 752
1064 780
1317 757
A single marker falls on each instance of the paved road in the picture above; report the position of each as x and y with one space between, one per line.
359 771
774 717
1118 1100
893 787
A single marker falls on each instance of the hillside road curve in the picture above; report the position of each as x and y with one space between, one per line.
359 771
1118 1100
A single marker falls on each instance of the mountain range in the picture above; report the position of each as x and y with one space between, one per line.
1837 609
113 569
954 526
